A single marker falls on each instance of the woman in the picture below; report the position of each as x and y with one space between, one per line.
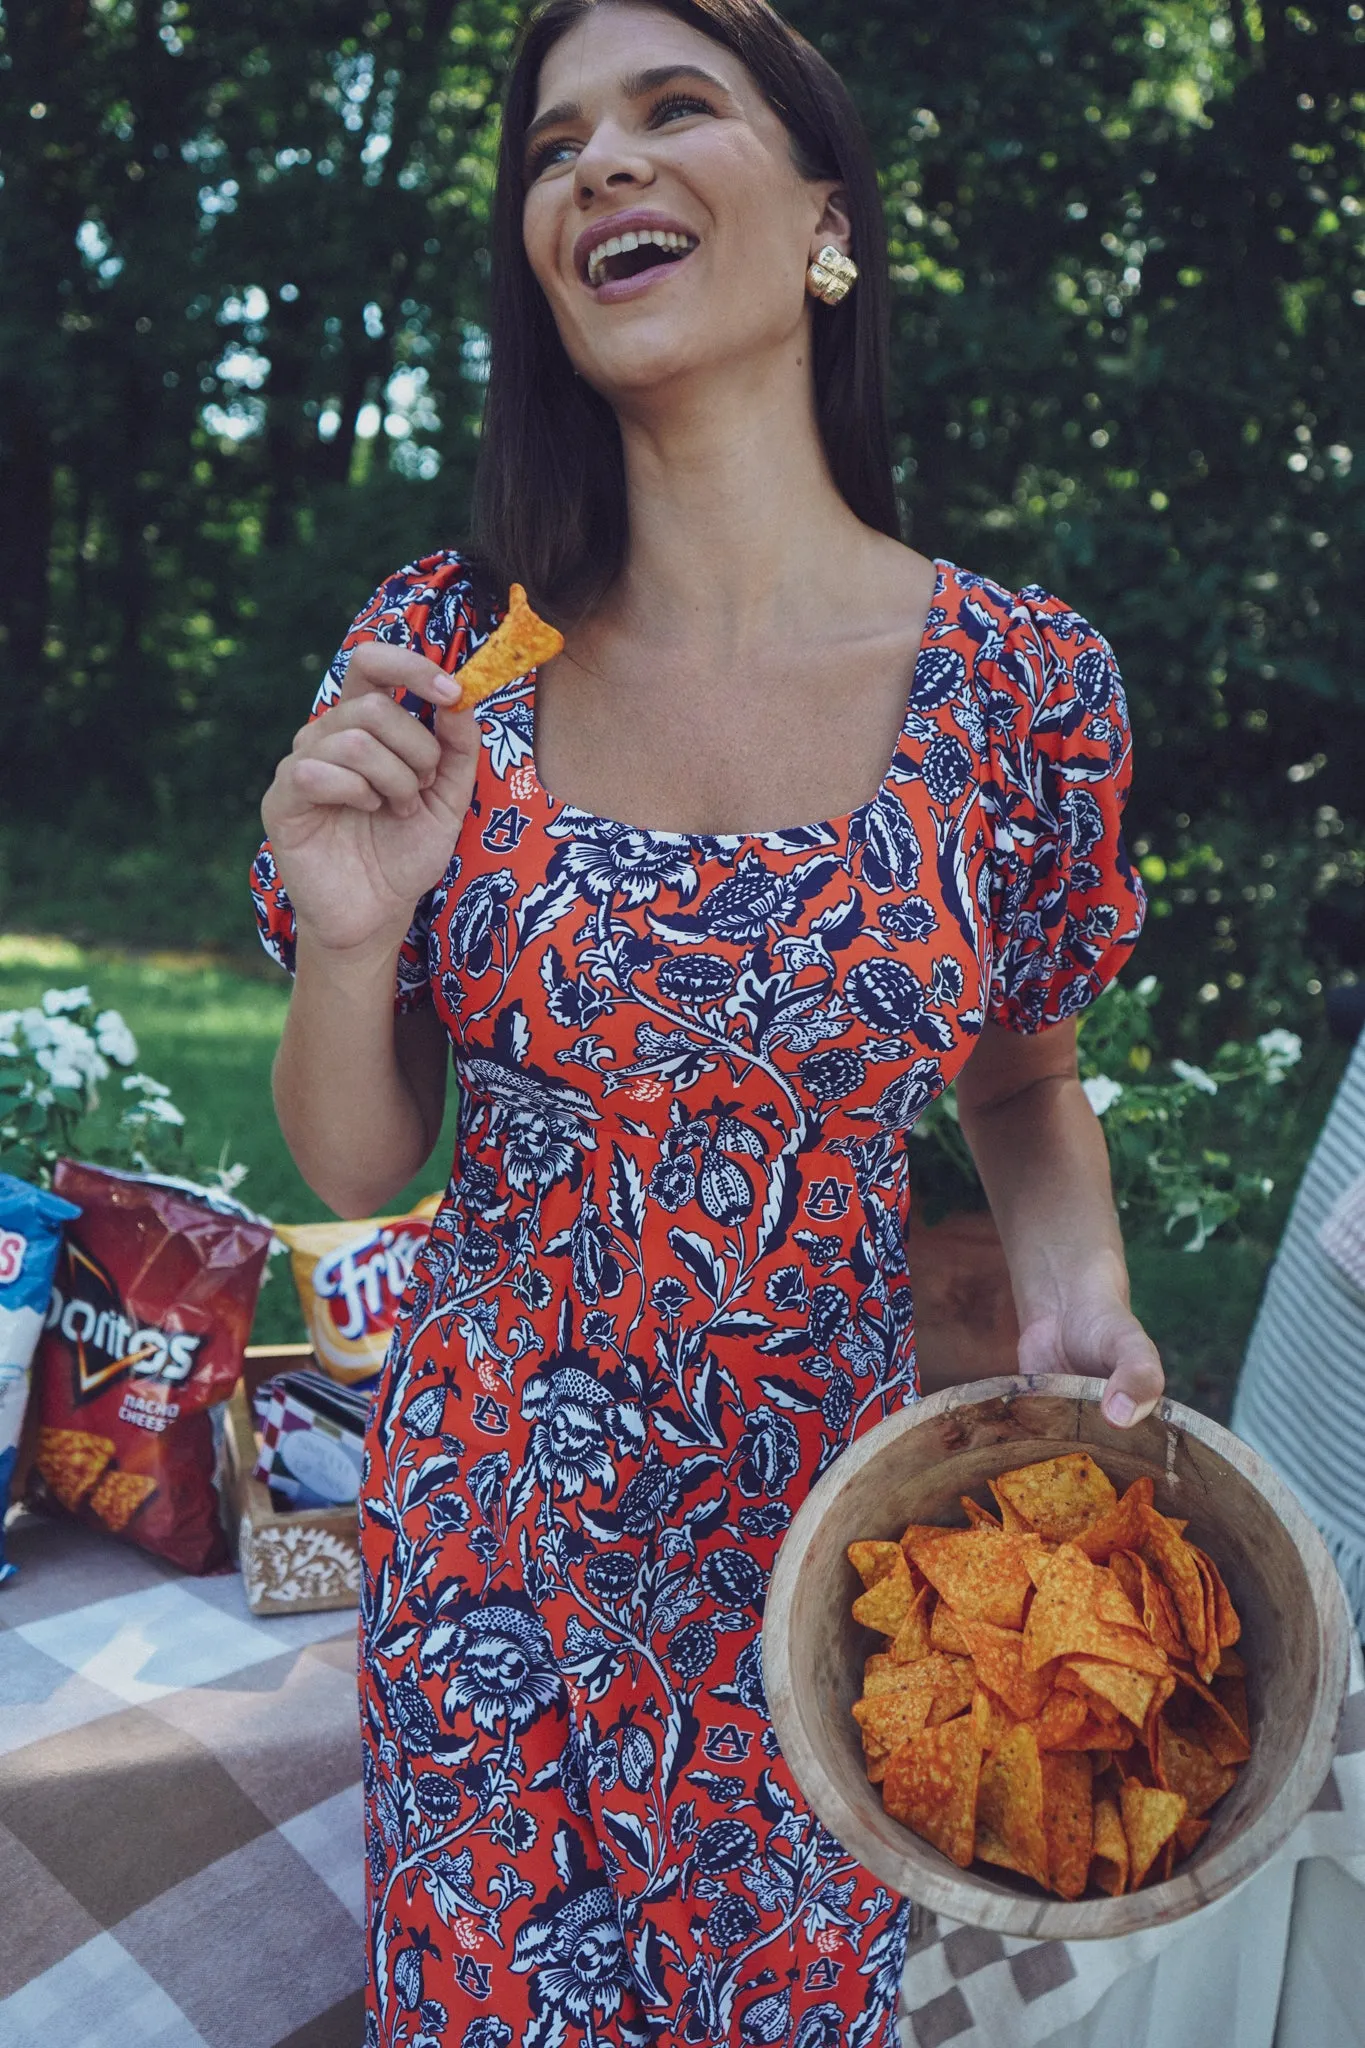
691 1030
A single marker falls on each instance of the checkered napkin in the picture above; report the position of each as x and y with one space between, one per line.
181 1863
312 1439
967 1988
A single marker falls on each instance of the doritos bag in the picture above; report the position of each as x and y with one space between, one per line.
350 1279
30 1234
150 1313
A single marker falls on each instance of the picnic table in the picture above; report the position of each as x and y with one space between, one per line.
181 1852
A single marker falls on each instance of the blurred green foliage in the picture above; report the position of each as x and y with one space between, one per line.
240 376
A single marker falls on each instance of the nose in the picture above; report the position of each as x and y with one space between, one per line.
608 162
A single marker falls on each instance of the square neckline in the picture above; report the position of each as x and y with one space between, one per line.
839 827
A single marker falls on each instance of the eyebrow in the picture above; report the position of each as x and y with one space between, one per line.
635 86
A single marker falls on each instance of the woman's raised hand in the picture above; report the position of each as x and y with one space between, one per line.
364 813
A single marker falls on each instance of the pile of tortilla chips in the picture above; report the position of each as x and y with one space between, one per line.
1058 1694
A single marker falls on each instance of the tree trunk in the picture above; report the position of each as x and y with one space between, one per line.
25 530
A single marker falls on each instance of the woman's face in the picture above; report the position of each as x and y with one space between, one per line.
645 128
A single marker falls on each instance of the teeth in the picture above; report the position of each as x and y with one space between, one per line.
619 245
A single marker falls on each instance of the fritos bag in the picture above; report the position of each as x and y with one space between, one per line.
350 1279
30 1234
150 1313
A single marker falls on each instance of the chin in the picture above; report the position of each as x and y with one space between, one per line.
656 356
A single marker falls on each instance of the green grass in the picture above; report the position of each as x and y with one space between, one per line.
210 1034
210 1031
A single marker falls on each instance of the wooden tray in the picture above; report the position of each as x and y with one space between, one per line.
299 1562
912 1468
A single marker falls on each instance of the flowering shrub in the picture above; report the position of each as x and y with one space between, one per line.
1184 1141
54 1062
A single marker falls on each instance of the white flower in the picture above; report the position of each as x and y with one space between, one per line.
36 1028
1280 1050
1147 986
113 1038
59 1069
153 1107
1196 1077
9 1033
69 1057
1101 1092
58 1000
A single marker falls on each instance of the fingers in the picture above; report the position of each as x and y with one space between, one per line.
452 784
1136 1381
327 783
1109 1344
403 735
388 775
373 666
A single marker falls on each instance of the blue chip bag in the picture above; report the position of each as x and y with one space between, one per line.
31 1224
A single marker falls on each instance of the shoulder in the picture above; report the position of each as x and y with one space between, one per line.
439 605
1045 651
427 604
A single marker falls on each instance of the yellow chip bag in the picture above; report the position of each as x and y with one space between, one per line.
350 1279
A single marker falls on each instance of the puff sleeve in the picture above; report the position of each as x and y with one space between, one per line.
1066 904
429 607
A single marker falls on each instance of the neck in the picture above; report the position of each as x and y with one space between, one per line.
737 530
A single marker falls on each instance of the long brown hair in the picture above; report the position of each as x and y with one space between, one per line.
550 499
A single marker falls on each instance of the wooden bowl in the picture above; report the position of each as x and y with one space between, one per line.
912 1468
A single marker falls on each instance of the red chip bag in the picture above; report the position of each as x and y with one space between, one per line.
150 1312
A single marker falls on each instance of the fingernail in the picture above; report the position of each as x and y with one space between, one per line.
446 688
1120 1410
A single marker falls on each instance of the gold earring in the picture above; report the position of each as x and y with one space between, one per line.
831 276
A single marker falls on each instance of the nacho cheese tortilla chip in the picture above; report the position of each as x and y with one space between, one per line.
1056 1693
1060 1498
931 1786
1009 1807
522 642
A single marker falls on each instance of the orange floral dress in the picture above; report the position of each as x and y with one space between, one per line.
666 1288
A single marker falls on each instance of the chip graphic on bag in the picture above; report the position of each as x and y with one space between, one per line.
150 1310
72 1461
350 1279
118 1497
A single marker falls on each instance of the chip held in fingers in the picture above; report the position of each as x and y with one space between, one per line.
1055 1693
522 642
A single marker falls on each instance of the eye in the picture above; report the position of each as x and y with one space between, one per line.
675 104
547 154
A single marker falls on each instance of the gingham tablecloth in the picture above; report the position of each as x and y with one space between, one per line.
180 1819
181 1860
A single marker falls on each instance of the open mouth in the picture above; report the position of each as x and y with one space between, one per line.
625 256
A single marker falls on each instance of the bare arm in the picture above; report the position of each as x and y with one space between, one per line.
363 817
359 1091
1042 1158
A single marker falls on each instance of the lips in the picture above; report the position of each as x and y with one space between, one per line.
624 250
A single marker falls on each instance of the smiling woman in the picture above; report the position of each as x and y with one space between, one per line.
551 484
797 827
